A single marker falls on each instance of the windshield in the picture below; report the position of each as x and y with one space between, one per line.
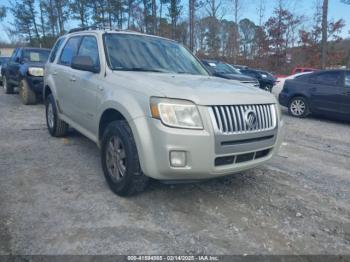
143 53
4 60
223 68
36 56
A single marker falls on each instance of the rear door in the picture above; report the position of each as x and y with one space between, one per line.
62 76
326 90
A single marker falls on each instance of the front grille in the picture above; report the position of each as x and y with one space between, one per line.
236 159
238 118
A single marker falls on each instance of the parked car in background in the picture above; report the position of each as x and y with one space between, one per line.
3 60
265 79
322 92
298 70
277 88
154 110
25 69
224 70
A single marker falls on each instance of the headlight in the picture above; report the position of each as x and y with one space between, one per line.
35 71
263 75
176 113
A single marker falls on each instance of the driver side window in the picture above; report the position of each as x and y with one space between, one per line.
88 47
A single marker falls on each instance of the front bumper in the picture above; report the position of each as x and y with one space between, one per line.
283 99
155 142
35 83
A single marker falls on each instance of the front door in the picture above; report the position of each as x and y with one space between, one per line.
13 68
86 85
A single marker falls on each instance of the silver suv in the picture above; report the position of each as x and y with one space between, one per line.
154 111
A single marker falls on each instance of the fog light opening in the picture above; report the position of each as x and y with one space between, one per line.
178 158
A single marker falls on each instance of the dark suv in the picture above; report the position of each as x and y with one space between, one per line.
25 69
223 70
323 92
266 80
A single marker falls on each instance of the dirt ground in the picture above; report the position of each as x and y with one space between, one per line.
54 199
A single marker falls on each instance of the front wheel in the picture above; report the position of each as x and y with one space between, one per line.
55 125
299 107
268 88
7 87
120 161
27 95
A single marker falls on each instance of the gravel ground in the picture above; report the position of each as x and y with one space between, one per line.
54 199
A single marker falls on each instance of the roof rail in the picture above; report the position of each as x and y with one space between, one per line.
93 27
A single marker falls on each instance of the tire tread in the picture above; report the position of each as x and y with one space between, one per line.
138 181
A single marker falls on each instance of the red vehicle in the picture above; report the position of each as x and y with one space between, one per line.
298 70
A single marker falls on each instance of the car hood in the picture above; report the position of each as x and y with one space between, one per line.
202 90
35 64
237 77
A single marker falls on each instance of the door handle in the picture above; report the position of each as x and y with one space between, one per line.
54 73
313 89
346 93
100 88
72 79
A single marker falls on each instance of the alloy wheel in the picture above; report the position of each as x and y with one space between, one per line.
116 158
297 107
50 116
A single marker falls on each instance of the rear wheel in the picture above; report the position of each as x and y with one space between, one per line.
55 125
27 95
299 107
7 87
120 161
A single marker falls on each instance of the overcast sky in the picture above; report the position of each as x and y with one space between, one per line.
337 10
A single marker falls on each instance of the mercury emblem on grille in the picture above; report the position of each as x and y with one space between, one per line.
250 118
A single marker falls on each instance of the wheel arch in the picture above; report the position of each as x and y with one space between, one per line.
109 115
46 92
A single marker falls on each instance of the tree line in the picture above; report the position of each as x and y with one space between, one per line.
277 42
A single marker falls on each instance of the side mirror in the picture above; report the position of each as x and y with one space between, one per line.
84 63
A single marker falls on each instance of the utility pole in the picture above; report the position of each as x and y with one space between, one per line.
236 32
324 33
191 23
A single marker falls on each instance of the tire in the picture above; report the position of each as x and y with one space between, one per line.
27 95
55 125
267 88
299 107
118 146
7 87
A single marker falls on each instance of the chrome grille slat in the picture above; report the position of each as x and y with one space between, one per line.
234 117
225 129
231 119
231 127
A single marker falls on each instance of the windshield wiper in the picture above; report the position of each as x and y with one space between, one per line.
142 69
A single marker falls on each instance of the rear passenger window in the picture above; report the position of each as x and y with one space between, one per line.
327 78
55 49
70 50
88 47
347 79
